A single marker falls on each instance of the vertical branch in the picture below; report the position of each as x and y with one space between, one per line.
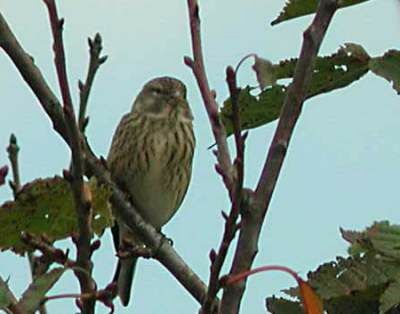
231 225
197 66
59 54
12 151
15 184
95 47
81 194
252 222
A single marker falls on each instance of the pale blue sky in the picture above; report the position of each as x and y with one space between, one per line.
342 168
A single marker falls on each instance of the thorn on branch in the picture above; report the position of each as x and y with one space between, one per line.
196 12
81 86
244 136
85 123
224 215
103 59
61 24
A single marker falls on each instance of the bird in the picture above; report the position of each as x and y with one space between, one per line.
150 158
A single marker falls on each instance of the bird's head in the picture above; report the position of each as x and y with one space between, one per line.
163 98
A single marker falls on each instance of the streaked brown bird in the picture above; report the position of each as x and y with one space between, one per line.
151 159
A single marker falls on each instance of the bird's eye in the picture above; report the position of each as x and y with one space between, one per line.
156 91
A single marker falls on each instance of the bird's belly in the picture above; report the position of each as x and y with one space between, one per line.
155 203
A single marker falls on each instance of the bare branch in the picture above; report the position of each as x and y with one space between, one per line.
48 250
59 54
95 47
15 184
31 74
105 296
258 203
81 198
231 226
198 68
12 150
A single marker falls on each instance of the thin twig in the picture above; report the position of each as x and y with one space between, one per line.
198 68
48 250
15 184
35 80
105 296
81 199
12 150
59 54
95 47
252 222
232 175
231 225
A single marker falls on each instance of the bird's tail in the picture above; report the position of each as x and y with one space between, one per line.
124 277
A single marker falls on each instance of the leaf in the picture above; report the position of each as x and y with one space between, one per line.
339 70
254 111
312 303
388 67
366 283
46 207
33 296
390 298
385 239
6 296
283 306
382 238
297 8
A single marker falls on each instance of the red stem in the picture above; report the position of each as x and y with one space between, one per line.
232 279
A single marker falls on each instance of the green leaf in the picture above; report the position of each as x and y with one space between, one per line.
254 111
367 283
282 306
297 8
46 207
385 239
33 296
388 67
390 298
339 70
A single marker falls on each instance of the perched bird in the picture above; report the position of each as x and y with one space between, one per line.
151 159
